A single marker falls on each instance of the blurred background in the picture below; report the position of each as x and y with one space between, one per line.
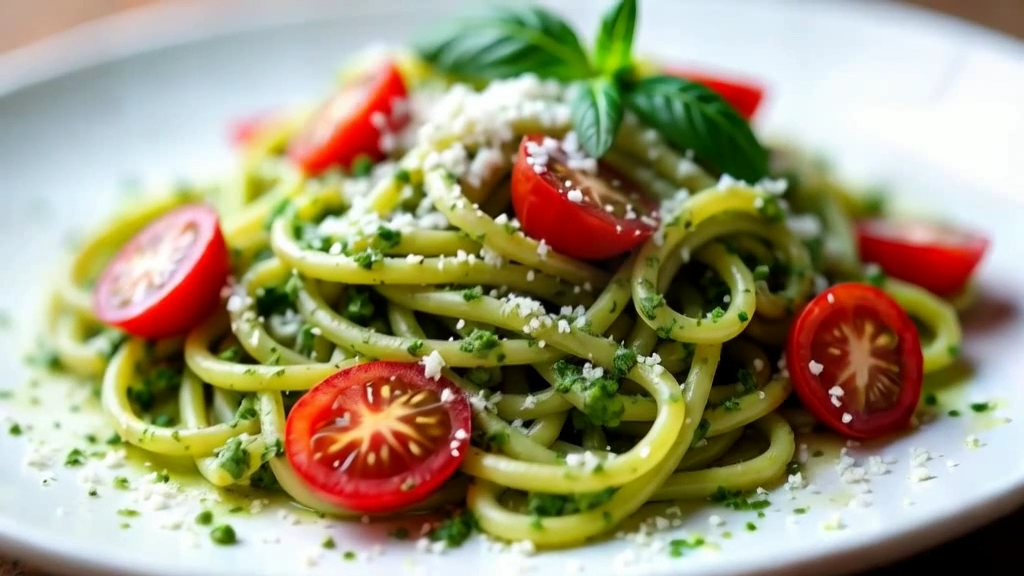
23 21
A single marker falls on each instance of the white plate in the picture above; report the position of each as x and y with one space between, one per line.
928 105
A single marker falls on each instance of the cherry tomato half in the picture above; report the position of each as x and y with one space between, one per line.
379 436
168 277
744 96
588 212
937 257
855 361
352 122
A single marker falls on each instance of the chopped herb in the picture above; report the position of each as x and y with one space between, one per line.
163 477
623 361
204 518
400 533
746 380
480 342
730 404
328 544
471 294
678 548
127 512
362 166
414 347
736 500
743 316
982 407
15 430
601 402
930 399
954 351
121 483
359 306
74 458
154 383
800 510
649 305
953 413
114 440
233 458
389 238
751 526
278 299
349 555
224 535
94 492
455 530
547 505
368 257
717 314
402 175
247 409
701 431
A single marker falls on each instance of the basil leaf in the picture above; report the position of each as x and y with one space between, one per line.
692 117
596 110
508 42
614 42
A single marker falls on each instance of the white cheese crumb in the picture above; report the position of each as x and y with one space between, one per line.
432 365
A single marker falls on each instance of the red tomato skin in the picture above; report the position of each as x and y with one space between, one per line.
188 298
813 393
744 96
380 495
572 229
355 134
943 270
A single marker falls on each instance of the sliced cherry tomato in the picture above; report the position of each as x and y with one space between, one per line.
246 129
352 122
937 257
855 361
168 277
744 96
379 436
578 207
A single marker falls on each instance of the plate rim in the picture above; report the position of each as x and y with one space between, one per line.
137 31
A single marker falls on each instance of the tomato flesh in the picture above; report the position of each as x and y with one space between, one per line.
579 207
168 277
378 437
353 122
854 357
744 96
937 257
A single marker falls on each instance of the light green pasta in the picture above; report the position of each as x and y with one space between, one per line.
418 258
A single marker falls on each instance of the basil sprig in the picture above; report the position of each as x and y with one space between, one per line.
692 117
596 113
508 42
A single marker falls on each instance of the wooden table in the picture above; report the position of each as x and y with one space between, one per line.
988 551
